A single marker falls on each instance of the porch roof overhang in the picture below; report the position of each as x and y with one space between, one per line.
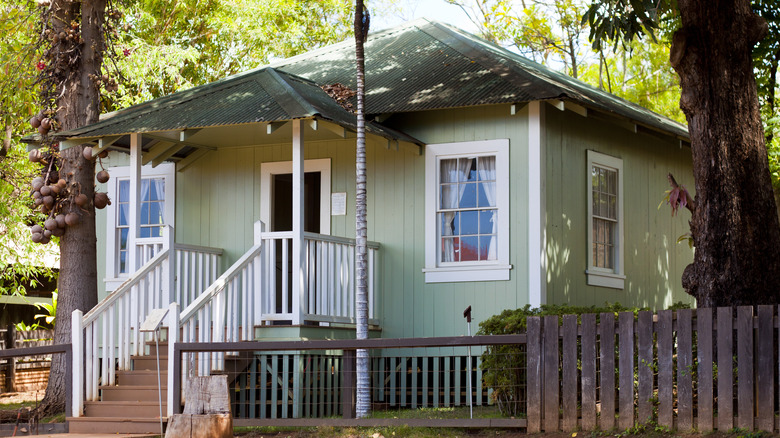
190 123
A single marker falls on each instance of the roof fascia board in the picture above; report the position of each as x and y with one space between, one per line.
335 128
563 105
69 143
187 133
104 143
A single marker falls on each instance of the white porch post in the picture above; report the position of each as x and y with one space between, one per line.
173 338
135 201
297 222
169 269
77 342
537 213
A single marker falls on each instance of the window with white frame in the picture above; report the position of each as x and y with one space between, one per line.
605 221
156 210
467 211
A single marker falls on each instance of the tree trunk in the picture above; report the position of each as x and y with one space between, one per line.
363 399
76 106
735 223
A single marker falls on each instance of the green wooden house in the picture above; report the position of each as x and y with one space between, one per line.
492 182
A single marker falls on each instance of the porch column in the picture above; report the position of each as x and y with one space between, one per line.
298 254
135 202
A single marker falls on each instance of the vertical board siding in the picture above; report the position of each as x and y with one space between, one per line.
653 260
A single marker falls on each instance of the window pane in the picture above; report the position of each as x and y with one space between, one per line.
155 232
611 182
144 190
124 190
123 233
156 213
447 224
488 222
124 214
469 248
449 196
486 166
468 195
609 258
487 194
449 170
145 232
122 262
603 210
469 222
145 213
450 249
467 169
157 189
487 247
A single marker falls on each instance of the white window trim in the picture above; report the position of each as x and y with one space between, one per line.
466 271
165 170
267 170
611 278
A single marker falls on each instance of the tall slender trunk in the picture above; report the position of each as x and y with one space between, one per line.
77 105
363 406
735 224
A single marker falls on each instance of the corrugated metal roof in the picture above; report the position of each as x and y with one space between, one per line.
262 95
421 65
428 65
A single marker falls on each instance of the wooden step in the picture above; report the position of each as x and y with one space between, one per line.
124 409
141 377
131 393
153 349
149 363
114 425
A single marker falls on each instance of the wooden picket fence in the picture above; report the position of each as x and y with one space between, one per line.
701 369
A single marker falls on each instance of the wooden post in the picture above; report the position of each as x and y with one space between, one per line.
10 371
348 384
77 368
297 223
133 262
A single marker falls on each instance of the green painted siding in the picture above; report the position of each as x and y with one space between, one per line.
412 307
654 261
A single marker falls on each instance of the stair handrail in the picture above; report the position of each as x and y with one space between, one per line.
104 304
218 284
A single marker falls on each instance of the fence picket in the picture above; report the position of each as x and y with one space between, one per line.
569 373
684 370
626 368
704 388
607 370
725 366
765 369
644 365
665 369
551 386
534 372
745 367
588 380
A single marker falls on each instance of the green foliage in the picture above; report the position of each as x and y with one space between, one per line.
165 46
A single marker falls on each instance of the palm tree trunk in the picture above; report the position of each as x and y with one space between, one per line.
363 405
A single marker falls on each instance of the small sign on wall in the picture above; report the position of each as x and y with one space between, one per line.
338 204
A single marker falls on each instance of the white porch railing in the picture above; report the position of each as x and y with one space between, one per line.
328 279
225 312
111 334
256 290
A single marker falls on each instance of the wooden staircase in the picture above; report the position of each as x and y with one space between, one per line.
131 406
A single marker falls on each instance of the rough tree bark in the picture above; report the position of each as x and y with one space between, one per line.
77 105
735 223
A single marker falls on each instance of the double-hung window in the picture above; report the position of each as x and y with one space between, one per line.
467 211
605 221
156 209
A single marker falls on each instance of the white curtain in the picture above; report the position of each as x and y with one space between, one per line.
486 166
452 171
159 188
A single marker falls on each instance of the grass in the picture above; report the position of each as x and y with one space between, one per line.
386 432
